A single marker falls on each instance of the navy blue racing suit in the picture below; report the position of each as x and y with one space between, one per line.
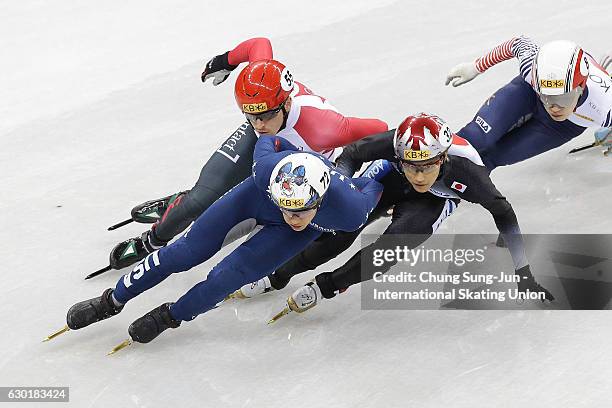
512 126
345 207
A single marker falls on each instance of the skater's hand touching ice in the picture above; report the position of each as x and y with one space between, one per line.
529 283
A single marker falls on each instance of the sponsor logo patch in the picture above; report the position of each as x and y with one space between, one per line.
410 154
483 124
458 186
254 107
552 83
291 202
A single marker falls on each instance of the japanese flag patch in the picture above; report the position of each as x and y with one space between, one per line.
458 186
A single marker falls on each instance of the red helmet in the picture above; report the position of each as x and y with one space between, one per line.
422 137
262 86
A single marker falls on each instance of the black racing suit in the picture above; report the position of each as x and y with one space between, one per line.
229 165
416 215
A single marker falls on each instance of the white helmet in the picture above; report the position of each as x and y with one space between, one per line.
421 137
299 181
560 68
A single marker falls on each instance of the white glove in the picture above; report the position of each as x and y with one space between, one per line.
462 73
606 60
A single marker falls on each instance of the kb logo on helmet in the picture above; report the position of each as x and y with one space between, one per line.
552 83
254 107
291 202
416 154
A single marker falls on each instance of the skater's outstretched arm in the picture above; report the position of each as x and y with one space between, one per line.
220 66
522 48
481 190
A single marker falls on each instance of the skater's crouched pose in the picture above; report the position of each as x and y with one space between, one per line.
560 92
425 170
294 195
274 103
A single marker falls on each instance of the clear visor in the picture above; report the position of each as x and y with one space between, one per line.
425 168
299 214
565 100
265 116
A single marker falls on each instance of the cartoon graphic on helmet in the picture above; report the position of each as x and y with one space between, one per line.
422 137
299 181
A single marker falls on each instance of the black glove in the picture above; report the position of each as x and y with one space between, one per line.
218 68
529 283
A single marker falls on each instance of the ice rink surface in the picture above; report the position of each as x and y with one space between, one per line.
103 108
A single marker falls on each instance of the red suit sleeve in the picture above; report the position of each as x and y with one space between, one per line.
324 128
498 54
251 50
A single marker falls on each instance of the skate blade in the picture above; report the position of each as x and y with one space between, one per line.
280 314
120 346
57 333
235 295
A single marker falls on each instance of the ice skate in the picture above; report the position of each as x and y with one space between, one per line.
88 312
153 210
152 324
252 289
301 300
132 250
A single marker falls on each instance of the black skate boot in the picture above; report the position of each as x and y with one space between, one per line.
152 211
151 325
133 250
93 310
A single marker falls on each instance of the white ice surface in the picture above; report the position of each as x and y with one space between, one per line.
102 107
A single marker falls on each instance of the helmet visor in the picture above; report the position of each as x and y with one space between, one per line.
305 213
426 168
265 116
565 100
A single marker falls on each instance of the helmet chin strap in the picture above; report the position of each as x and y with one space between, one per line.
285 116
443 166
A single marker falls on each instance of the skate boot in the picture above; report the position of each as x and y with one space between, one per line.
132 250
252 289
301 300
304 298
91 311
152 211
152 324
